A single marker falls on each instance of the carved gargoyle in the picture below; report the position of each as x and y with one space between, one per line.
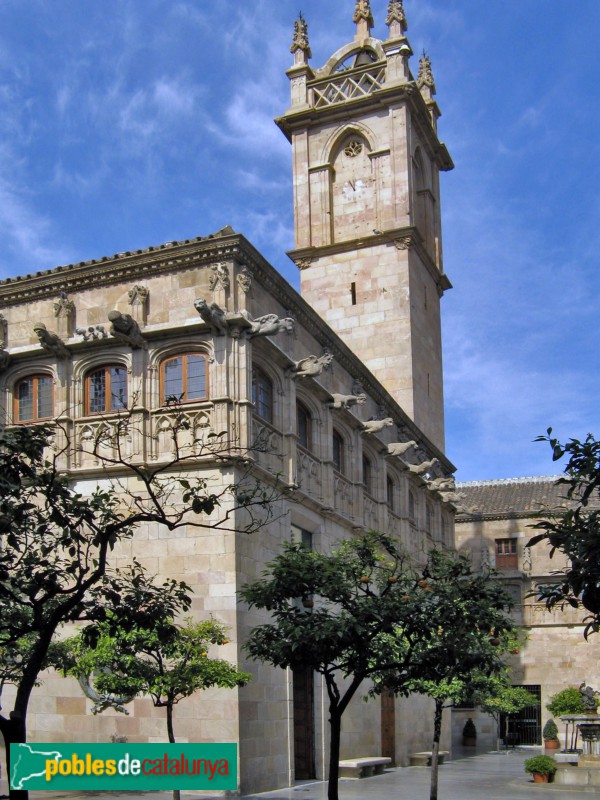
399 448
212 314
51 341
311 365
443 484
423 467
347 400
125 328
268 325
376 425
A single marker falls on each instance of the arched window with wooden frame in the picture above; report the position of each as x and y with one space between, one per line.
367 474
338 455
304 426
184 378
262 394
106 389
34 398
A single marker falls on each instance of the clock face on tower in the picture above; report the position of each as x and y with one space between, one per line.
352 190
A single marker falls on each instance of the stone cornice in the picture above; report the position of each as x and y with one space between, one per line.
402 238
121 267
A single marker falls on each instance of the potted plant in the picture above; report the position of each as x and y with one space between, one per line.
469 734
541 767
550 735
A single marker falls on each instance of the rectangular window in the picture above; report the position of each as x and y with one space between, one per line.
506 554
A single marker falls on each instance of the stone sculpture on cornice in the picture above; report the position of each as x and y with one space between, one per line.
125 328
244 280
92 333
220 277
376 425
212 314
3 331
423 468
51 342
311 366
347 400
63 306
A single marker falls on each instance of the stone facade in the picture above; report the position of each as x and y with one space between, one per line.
285 376
495 530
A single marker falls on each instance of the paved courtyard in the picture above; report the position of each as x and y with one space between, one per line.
485 776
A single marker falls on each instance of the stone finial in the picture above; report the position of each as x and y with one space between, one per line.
300 46
125 328
363 18
425 77
51 341
396 19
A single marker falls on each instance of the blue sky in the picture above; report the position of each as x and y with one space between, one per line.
128 123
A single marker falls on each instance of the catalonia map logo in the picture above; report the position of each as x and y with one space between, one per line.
123 767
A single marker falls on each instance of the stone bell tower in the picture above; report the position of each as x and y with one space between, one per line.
366 162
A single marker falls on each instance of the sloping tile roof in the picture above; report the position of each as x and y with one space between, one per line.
511 497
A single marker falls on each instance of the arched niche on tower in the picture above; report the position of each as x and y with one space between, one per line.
352 189
424 200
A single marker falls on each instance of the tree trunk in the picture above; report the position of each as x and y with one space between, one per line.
335 725
171 735
435 748
13 732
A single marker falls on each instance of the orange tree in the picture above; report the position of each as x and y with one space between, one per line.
575 532
347 615
55 543
469 634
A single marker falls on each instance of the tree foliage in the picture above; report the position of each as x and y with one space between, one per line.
334 614
567 701
56 543
575 532
470 634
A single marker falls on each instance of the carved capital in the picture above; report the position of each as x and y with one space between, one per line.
244 280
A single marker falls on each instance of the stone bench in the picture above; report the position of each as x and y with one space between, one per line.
424 759
363 767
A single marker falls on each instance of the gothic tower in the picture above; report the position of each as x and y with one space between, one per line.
366 164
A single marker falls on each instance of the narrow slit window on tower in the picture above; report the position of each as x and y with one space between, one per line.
353 293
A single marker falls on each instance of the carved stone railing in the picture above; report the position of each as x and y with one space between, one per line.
347 86
535 614
343 495
194 426
309 474
267 446
95 442
370 513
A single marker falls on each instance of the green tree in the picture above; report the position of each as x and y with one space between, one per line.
162 659
357 596
55 543
496 696
471 633
575 532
